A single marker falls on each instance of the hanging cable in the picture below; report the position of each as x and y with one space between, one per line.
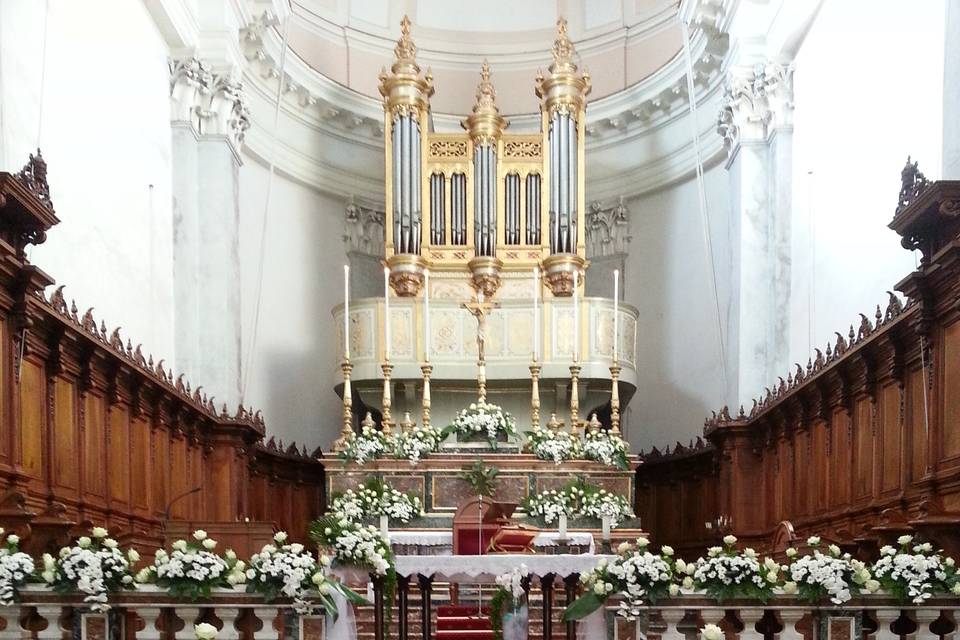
702 194
245 374
43 71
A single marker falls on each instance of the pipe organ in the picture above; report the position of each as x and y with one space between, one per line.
483 201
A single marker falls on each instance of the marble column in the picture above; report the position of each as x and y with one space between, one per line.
757 126
951 92
208 121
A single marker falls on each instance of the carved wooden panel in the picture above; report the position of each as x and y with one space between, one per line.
951 399
863 452
917 423
32 418
890 442
94 455
66 436
841 458
141 467
119 457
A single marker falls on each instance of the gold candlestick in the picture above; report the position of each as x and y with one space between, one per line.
535 395
615 399
386 420
575 400
347 433
427 369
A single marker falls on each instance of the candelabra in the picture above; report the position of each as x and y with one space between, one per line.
615 398
535 395
575 400
387 420
427 369
347 433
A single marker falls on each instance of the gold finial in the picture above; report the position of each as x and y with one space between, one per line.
485 125
563 88
562 48
405 50
403 89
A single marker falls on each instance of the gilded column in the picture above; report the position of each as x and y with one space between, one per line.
406 105
485 127
563 93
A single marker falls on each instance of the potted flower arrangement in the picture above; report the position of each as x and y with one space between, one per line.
417 443
288 570
483 421
915 572
191 569
509 615
606 448
726 574
578 498
16 567
642 577
376 498
819 576
369 444
547 444
94 566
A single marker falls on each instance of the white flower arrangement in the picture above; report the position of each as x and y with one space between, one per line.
640 576
16 568
369 444
818 576
416 444
376 498
510 595
204 631
191 568
606 448
94 566
558 446
290 571
354 544
483 421
915 573
726 574
578 498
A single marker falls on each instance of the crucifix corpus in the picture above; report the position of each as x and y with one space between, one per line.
479 308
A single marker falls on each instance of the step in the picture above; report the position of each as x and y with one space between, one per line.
464 635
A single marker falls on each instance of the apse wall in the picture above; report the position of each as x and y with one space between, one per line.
291 373
106 138
853 129
679 372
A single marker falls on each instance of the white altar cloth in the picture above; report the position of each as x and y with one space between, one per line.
441 538
487 567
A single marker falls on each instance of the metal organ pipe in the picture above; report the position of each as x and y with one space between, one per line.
395 135
554 142
405 185
417 210
572 183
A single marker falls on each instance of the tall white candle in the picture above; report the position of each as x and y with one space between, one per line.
616 315
605 532
563 526
426 315
536 313
576 316
386 312
346 312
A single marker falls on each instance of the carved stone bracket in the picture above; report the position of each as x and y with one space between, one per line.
756 101
213 103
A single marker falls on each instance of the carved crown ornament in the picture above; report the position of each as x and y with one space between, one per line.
27 211
213 103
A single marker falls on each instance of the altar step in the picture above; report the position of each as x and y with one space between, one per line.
463 621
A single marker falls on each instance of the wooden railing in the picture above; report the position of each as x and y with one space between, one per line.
96 431
859 445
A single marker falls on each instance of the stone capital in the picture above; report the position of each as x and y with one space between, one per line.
212 102
757 100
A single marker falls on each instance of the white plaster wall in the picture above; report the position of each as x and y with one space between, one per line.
668 278
291 371
857 117
951 92
105 134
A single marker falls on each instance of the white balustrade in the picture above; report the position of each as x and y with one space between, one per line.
750 618
229 616
790 618
10 619
885 619
923 618
267 616
190 617
672 618
51 613
150 617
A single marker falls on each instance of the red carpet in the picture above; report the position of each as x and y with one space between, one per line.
463 623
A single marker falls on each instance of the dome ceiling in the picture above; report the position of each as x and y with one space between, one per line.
619 42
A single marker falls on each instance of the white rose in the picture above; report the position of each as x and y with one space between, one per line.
770 564
230 555
205 631
949 562
180 545
904 540
772 576
729 540
98 532
623 548
143 575
13 539
133 555
199 534
83 542
872 586
674 590
48 561
834 550
813 541
110 543
642 542
1 531
956 589
790 587
711 632
791 552
280 537
687 583
666 550
598 589
681 566
324 588
750 553
209 544
48 576
325 561
296 548
127 579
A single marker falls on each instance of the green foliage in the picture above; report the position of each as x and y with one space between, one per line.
481 478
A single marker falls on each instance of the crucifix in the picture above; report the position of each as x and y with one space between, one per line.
479 309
